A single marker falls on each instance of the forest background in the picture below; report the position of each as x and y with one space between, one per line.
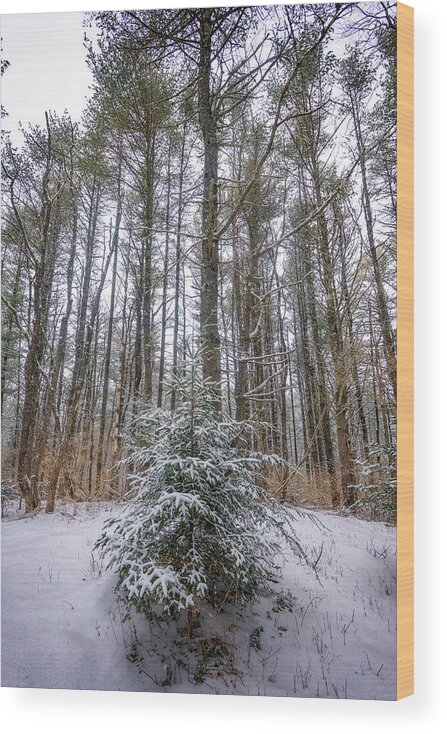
231 186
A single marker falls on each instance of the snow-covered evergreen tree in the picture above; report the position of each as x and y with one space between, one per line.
377 488
198 525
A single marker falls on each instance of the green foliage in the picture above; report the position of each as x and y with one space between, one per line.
91 154
378 487
357 73
198 525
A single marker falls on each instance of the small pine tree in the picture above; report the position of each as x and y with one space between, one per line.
198 525
378 483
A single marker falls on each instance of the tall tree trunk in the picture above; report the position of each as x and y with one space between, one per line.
92 225
382 305
108 351
119 392
43 282
64 457
8 329
164 296
324 411
147 264
56 378
210 246
337 348
352 341
178 255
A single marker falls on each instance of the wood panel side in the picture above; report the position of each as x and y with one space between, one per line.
405 352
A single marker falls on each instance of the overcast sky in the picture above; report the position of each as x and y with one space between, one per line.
47 71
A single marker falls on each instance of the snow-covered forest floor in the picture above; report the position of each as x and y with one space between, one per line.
331 636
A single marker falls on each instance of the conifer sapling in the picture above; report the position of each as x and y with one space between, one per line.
198 526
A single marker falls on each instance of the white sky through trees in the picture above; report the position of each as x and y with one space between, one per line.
47 68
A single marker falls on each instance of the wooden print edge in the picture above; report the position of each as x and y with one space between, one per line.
405 352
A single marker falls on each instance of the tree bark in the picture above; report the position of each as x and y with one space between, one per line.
106 373
178 255
210 338
164 296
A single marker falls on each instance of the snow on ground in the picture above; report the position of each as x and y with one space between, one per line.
331 636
